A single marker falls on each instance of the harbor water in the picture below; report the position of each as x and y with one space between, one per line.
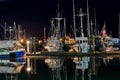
65 68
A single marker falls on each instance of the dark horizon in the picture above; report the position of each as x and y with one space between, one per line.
34 15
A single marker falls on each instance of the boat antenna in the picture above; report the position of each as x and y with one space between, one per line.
74 23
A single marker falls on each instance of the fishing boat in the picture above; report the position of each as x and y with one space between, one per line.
11 48
81 42
54 42
109 43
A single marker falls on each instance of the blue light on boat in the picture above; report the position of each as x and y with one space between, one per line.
19 54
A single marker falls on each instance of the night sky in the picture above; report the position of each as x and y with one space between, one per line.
34 15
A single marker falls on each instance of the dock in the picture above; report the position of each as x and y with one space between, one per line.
72 54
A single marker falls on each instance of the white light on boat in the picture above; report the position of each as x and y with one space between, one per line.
28 46
28 42
28 69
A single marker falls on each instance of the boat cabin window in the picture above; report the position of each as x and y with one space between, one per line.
83 41
77 41
80 41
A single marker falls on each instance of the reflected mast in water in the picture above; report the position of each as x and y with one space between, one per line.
84 65
56 66
80 64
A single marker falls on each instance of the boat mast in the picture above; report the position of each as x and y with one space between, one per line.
24 34
64 27
15 30
81 21
52 28
74 23
19 32
58 18
5 30
88 21
44 34
119 27
91 25
95 22
58 27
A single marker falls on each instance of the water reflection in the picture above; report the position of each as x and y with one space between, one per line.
75 68
61 68
81 64
31 66
10 68
56 66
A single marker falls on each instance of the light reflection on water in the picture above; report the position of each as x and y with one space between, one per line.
66 68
